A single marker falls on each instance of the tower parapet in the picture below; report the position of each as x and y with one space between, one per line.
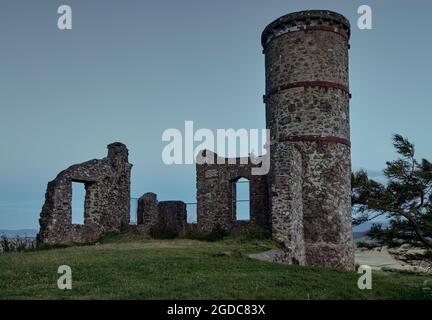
307 20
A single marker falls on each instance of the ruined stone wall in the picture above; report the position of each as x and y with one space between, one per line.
286 200
327 215
147 209
307 112
172 215
154 213
107 201
216 193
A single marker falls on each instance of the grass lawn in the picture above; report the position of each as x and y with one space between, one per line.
130 267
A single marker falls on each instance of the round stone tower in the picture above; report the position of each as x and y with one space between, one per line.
307 112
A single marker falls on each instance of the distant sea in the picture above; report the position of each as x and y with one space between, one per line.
358 231
21 233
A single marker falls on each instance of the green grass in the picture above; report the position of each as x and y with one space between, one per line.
131 267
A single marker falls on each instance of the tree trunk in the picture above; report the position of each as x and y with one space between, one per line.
417 229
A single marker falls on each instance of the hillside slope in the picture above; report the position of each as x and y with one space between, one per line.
128 267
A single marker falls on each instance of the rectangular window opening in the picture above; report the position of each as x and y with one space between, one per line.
78 202
133 211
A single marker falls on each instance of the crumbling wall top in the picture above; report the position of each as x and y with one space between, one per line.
118 150
106 204
303 20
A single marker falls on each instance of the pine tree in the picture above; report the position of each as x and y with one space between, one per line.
405 198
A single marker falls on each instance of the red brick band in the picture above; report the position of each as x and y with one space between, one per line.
308 84
316 138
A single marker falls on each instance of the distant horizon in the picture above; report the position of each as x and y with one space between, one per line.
360 228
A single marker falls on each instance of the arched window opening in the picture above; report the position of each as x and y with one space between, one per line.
241 199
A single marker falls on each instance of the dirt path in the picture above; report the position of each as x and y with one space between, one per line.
377 259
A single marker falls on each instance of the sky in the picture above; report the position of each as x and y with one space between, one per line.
128 70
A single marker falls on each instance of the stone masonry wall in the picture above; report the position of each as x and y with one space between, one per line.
327 215
147 210
216 193
307 112
107 201
286 198
173 215
154 213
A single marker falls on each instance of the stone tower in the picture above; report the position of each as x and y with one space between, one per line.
307 112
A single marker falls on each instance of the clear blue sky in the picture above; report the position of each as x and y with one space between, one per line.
131 69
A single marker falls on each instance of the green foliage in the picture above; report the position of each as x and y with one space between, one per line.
17 244
419 256
161 231
399 231
244 232
191 231
21 244
217 234
406 197
128 236
46 247
366 244
194 233
5 244
252 232
403 146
